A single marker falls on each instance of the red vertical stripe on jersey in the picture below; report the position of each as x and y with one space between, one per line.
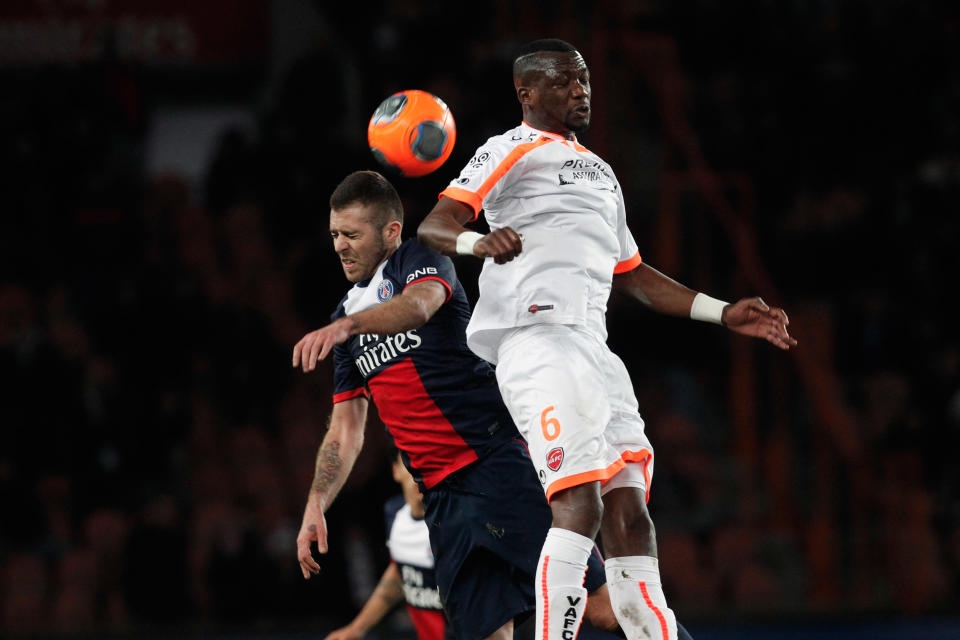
417 425
430 625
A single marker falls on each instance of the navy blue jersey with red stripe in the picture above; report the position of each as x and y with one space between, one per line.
439 401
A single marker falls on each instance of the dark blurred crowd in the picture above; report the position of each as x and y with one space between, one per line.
156 446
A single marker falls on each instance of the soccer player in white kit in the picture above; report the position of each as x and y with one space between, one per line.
558 243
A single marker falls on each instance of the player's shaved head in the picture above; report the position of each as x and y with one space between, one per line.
552 82
372 190
538 56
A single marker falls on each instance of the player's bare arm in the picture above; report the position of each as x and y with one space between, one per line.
387 595
335 458
443 226
748 316
655 290
410 310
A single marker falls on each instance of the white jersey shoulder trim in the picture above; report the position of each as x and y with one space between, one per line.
492 161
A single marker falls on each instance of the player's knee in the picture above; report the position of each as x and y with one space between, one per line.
636 524
578 509
641 522
626 520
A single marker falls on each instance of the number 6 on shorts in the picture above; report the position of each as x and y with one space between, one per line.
551 427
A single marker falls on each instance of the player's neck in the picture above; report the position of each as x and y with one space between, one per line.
388 250
391 250
532 121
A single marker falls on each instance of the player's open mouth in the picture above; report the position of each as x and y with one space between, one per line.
582 111
348 264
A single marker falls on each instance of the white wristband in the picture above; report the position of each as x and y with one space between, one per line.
465 242
707 309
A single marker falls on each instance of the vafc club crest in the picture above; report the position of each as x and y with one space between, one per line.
385 291
555 458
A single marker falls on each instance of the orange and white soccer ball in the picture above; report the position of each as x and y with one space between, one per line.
412 133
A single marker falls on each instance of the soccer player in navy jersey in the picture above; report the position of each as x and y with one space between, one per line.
398 338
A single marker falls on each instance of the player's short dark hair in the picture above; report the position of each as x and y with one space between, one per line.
370 189
523 60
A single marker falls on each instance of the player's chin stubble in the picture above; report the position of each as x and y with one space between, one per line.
578 125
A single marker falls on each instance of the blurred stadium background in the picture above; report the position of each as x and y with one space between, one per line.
165 169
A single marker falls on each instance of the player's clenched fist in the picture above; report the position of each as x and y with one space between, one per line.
503 245
317 344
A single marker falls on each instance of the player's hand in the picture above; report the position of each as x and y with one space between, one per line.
503 245
754 317
317 344
313 529
345 633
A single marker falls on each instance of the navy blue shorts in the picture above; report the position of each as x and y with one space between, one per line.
487 523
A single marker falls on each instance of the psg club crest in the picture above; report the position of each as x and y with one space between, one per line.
385 291
555 458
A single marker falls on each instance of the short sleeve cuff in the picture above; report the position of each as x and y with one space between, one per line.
440 280
343 396
628 265
468 198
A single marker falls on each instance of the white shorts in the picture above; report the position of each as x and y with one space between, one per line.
572 399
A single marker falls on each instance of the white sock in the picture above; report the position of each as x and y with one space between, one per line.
561 598
637 598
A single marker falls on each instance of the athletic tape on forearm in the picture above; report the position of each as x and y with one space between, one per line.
707 309
465 242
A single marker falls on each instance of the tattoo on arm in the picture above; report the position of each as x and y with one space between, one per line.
329 464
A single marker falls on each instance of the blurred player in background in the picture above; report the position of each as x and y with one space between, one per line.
410 576
398 336
559 241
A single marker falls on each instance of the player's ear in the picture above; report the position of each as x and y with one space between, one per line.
392 230
525 95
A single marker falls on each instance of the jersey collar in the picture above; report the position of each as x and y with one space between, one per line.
573 144
548 134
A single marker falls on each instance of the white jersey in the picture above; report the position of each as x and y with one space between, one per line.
568 207
409 540
409 544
